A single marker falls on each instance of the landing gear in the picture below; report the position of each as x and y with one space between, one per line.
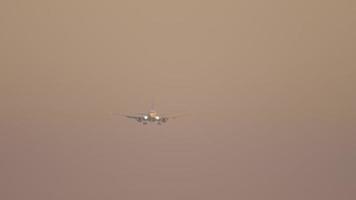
144 123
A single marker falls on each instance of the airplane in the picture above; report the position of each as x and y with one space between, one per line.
151 117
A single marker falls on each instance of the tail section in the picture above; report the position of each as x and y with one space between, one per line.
152 108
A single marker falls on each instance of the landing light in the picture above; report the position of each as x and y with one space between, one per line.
145 117
157 117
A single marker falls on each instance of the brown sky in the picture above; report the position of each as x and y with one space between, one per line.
270 86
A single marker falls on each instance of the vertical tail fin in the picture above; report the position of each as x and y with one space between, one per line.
152 105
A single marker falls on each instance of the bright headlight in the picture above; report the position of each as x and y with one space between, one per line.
157 117
145 117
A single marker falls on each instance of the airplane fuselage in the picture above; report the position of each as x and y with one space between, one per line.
151 116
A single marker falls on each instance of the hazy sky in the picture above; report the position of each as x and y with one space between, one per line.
270 86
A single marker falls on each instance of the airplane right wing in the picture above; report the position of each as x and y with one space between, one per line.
134 117
139 116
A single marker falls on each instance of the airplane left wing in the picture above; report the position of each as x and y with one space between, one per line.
165 118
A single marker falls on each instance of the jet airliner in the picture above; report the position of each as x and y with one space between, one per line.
151 117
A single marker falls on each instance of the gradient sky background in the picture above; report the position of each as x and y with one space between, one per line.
270 86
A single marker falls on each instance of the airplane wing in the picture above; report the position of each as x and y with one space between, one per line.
138 116
134 117
173 116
